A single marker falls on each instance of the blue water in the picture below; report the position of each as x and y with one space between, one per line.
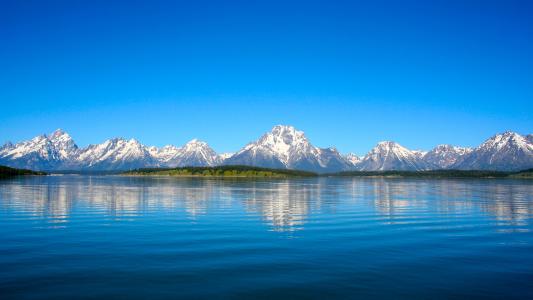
129 237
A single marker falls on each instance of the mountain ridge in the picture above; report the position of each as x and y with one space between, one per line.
283 147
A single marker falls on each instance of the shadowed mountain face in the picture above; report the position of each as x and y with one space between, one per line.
282 147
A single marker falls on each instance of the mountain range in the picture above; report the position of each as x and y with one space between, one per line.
282 147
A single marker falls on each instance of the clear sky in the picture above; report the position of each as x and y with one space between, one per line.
349 74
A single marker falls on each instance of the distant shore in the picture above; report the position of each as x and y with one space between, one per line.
240 171
6 172
221 171
257 172
526 174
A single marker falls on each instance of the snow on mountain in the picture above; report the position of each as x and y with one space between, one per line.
529 138
286 147
353 159
508 151
223 156
443 156
282 147
58 151
44 152
419 153
391 156
193 154
64 144
6 147
115 154
165 155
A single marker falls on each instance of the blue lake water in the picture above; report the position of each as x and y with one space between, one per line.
132 237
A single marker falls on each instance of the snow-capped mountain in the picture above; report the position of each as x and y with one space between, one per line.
282 147
194 153
443 156
42 152
114 154
508 151
286 147
419 153
391 156
58 151
166 155
353 159
223 156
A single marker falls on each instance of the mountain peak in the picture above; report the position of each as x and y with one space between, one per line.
280 128
445 155
389 155
502 139
505 151
387 144
353 158
58 132
282 147
196 142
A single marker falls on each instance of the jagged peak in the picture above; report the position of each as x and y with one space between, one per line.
281 127
508 133
286 130
196 141
283 133
389 145
195 145
444 146
116 139
449 147
169 147
353 158
58 132
500 139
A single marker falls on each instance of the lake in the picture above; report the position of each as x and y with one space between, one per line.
77 236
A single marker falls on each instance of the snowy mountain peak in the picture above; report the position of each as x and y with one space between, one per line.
389 146
443 156
195 153
280 142
58 132
285 129
7 145
286 147
353 159
505 151
281 139
281 147
195 143
388 155
502 139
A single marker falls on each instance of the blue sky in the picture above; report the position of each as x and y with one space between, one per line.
349 74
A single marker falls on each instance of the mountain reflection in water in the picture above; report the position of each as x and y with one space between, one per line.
284 205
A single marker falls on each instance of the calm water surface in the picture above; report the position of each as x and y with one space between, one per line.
89 236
